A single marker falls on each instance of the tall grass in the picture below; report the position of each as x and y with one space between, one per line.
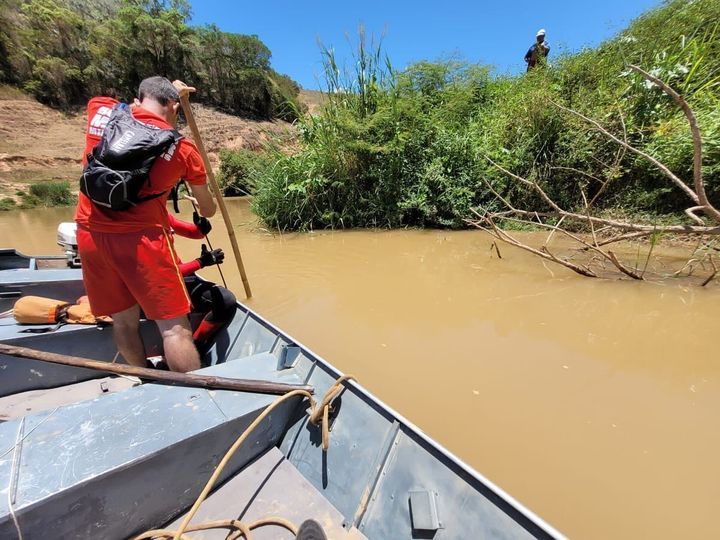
408 148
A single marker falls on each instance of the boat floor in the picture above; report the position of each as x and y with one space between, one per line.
270 486
35 401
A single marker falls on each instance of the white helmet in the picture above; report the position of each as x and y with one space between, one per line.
540 32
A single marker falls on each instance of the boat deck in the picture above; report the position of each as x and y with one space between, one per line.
259 491
36 401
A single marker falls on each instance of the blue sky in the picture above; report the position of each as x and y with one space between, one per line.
496 33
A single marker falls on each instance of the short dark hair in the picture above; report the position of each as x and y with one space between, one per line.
158 88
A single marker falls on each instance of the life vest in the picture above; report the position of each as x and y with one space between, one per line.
39 310
119 165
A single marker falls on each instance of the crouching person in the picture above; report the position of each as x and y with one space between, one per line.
133 158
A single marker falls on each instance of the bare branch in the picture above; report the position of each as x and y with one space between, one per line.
587 212
688 263
559 212
621 237
624 269
697 140
667 172
527 182
507 238
714 273
690 212
622 225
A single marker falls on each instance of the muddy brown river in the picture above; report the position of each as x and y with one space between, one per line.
596 403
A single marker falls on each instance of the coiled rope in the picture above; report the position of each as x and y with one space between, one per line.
318 415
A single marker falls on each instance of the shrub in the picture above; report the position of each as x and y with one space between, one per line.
49 194
238 169
6 203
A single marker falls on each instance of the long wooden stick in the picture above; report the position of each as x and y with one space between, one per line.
185 102
185 379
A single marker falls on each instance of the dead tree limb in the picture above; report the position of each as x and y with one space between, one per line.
714 273
543 252
698 182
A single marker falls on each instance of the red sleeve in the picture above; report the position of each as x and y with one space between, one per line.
189 268
184 228
98 114
195 173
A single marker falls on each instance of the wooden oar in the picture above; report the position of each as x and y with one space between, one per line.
184 379
185 102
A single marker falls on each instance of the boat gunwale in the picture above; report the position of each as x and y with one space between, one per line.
417 431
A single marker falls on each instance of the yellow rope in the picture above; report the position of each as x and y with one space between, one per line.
237 528
317 415
321 413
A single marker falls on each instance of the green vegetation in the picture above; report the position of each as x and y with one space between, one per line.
6 203
64 51
409 148
47 194
237 169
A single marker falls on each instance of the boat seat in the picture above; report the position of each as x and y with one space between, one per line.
35 401
9 329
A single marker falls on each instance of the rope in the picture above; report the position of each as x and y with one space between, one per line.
237 528
11 488
321 413
241 529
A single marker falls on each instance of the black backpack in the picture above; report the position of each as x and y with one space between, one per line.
119 165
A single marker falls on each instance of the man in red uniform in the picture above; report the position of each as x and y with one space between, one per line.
128 257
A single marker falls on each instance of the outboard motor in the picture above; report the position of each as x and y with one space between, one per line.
67 239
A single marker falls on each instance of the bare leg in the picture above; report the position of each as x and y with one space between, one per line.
126 331
180 352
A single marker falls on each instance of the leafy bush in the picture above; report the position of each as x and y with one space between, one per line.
237 169
48 194
6 203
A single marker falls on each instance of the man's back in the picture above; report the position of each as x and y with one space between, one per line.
180 161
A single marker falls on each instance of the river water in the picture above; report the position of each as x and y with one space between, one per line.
596 403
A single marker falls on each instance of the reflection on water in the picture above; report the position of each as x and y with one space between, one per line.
595 403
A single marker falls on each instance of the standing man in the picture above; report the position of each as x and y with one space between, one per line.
539 50
128 258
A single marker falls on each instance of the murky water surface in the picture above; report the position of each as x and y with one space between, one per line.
595 403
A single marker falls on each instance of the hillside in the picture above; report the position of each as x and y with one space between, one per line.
38 143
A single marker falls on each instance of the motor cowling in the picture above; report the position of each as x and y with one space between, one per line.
67 240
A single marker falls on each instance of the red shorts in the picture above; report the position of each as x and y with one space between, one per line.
124 269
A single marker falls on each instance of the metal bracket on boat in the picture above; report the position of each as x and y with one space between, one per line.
288 357
424 511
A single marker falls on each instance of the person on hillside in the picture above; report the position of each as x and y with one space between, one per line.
129 260
538 51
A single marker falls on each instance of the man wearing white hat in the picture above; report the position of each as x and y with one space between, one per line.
539 49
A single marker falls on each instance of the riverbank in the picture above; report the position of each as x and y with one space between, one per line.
42 146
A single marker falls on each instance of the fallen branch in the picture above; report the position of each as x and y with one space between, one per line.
714 273
184 379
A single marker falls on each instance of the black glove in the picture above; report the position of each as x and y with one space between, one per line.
202 223
209 258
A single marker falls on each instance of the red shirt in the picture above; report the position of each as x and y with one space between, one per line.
180 161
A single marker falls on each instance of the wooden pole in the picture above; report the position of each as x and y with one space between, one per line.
184 379
185 102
